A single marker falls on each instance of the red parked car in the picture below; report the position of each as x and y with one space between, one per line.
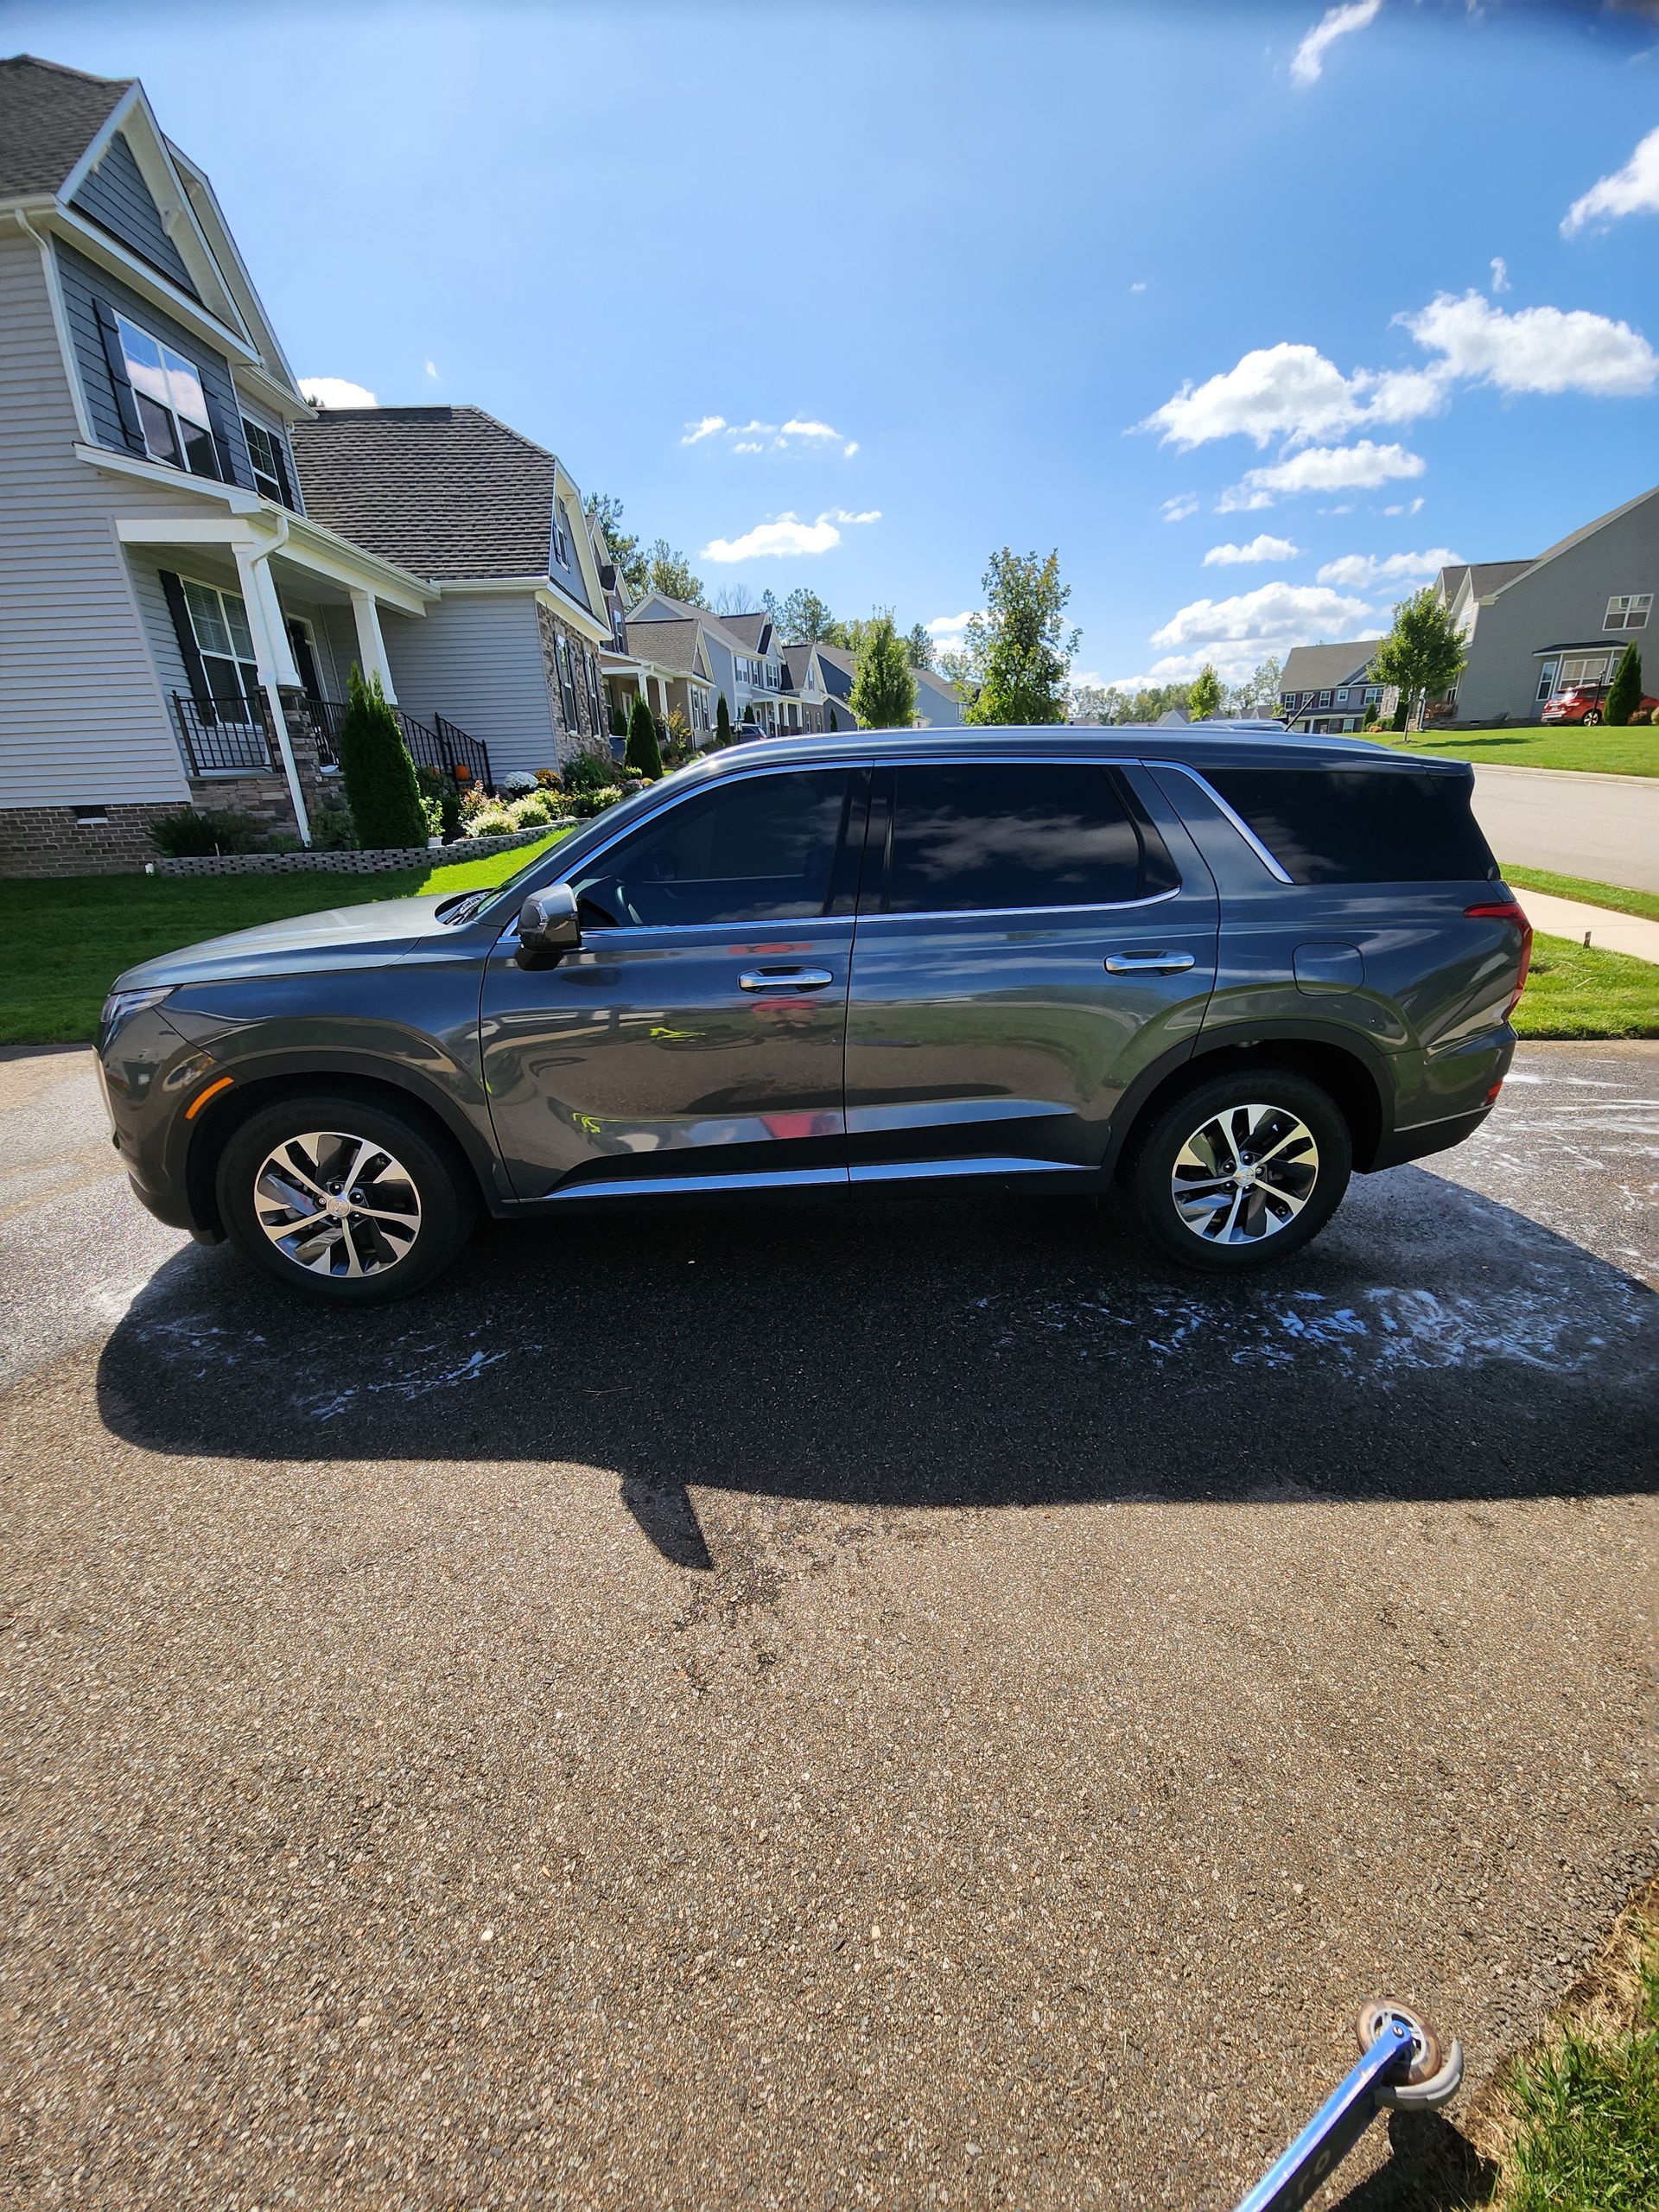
1584 704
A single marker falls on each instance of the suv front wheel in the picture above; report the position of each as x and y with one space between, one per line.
1242 1170
343 1199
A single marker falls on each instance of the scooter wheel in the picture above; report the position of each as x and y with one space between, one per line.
1435 2070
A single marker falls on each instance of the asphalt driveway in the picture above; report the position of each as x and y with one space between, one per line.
818 1707
1603 828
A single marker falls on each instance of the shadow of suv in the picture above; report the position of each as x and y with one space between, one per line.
1214 967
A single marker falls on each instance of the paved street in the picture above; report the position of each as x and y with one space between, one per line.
813 1707
1603 828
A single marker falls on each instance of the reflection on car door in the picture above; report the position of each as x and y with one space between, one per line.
697 1033
1031 935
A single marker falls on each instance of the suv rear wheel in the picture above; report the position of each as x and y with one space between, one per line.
343 1200
1241 1170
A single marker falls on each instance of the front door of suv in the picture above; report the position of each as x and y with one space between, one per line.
1031 934
696 1035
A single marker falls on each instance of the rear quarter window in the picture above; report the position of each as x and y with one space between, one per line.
1361 825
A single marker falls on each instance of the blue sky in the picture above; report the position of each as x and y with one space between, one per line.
970 250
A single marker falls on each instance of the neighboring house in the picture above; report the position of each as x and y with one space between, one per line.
166 600
1327 689
838 667
1533 626
667 664
744 660
938 706
511 650
805 671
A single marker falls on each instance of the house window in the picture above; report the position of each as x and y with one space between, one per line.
269 467
1324 699
1373 693
1630 612
219 621
1342 697
1546 679
172 406
592 665
561 539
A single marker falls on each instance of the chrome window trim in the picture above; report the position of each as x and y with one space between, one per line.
1237 820
996 913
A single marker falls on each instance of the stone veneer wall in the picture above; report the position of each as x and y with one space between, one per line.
582 736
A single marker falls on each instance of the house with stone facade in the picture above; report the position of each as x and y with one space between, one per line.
512 650
744 656
167 599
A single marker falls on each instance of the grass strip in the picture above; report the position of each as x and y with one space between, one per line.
1612 895
1579 991
1601 751
68 940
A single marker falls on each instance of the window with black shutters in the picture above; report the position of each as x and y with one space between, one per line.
1361 825
270 464
1014 834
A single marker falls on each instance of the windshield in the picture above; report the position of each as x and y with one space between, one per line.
549 863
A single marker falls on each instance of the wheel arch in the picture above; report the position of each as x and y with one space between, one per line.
1348 1067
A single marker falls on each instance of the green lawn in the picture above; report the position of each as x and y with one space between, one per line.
70 940
1575 992
1644 903
1608 751
1582 2113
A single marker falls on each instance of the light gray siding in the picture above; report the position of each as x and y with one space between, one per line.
82 716
1562 602
83 282
936 704
478 660
116 197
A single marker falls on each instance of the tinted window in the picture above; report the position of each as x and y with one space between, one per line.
1013 835
759 849
1361 825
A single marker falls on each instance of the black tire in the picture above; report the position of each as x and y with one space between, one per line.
1150 1172
404 1157
1591 719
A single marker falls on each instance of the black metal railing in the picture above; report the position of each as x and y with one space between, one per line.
446 749
225 736
463 751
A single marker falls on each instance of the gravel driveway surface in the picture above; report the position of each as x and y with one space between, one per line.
813 1708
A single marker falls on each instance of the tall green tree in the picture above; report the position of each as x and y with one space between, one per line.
722 720
884 683
1204 701
643 751
1019 648
376 771
919 646
806 621
670 573
1424 651
632 565
1624 693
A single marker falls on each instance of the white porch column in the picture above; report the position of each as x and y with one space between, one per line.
272 654
371 645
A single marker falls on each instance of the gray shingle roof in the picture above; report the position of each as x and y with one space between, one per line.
749 628
715 625
1321 668
48 116
668 644
839 667
444 491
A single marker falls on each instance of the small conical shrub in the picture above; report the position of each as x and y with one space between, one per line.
722 721
376 769
642 751
1625 695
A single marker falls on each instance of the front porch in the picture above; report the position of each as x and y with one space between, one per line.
666 692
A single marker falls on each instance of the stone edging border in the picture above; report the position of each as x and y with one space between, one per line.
372 863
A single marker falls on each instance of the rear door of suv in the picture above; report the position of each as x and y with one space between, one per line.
1032 934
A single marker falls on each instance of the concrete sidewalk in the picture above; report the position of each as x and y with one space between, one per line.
1599 926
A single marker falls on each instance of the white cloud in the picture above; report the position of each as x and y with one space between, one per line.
1633 190
1140 287
1364 571
432 371
949 631
1359 467
1308 63
336 391
786 537
1262 548
1405 507
800 432
1275 612
1500 275
1178 508
1273 391
1535 349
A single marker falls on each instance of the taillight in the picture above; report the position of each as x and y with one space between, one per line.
1506 909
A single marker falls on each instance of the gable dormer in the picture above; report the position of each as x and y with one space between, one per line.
113 194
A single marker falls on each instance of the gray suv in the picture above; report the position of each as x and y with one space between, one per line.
1215 968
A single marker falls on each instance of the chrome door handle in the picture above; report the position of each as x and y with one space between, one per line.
1149 963
784 979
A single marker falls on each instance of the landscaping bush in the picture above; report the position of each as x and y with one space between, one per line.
433 814
550 779
435 786
1624 693
332 829
722 721
198 836
376 771
490 822
591 772
585 805
643 753
1641 717
520 785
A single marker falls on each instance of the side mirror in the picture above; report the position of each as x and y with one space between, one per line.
548 924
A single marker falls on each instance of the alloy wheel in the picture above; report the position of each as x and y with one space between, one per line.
1244 1174
337 1203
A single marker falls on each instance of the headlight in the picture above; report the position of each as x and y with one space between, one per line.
120 1006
